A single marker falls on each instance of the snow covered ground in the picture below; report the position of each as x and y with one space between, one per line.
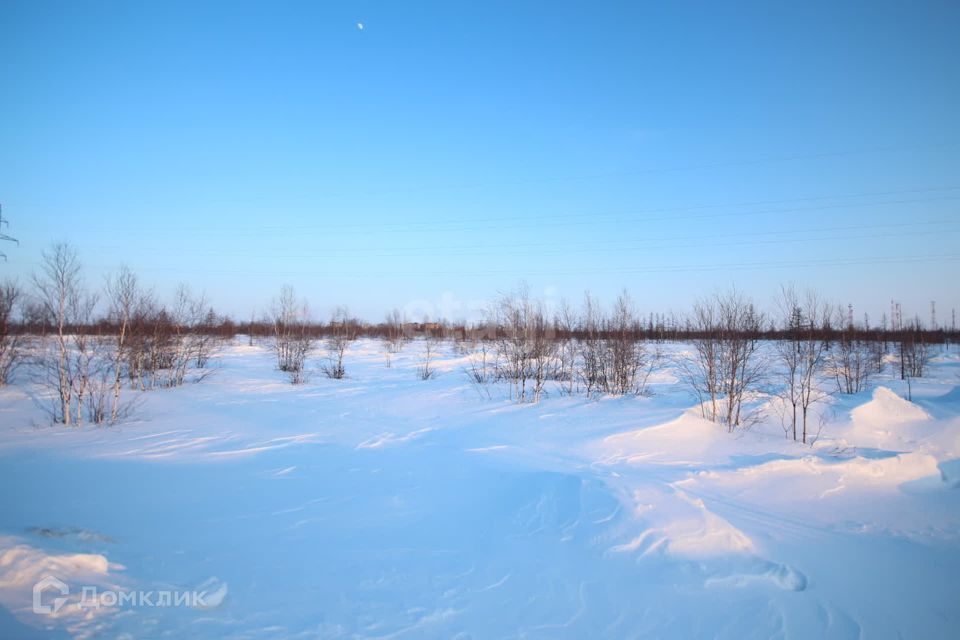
384 506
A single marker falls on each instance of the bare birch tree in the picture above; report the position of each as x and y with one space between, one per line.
292 342
592 370
726 365
525 346
425 370
700 370
802 357
11 344
342 332
851 361
126 301
625 354
566 324
64 366
914 352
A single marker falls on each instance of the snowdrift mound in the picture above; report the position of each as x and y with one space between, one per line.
887 409
685 440
22 566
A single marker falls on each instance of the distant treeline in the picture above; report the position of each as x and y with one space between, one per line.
88 347
221 326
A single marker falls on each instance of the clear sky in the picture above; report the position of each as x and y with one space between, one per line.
447 150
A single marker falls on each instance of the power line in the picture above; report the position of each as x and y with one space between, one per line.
520 273
453 223
722 164
632 244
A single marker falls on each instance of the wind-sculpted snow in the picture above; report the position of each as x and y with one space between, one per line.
23 565
384 506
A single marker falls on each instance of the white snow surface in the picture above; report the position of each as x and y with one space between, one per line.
385 506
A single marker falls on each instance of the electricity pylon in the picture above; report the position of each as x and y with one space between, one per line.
4 236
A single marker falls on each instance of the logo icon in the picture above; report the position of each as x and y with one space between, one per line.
49 582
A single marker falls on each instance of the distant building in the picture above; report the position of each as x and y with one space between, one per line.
421 327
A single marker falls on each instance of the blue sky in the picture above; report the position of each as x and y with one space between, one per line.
449 150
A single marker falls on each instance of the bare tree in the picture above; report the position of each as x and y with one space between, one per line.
11 344
145 343
126 300
803 357
424 369
701 369
393 335
878 354
204 333
851 360
168 346
292 341
342 332
726 364
190 343
394 330
914 352
482 368
593 365
525 346
566 324
65 367
542 348
850 364
815 353
625 354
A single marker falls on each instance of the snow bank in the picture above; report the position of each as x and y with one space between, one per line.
23 566
384 506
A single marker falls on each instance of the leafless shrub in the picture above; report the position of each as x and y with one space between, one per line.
424 369
878 353
463 343
525 347
625 354
64 367
653 360
292 342
188 346
166 347
343 330
567 348
482 367
803 358
125 300
726 365
610 356
914 352
394 331
850 364
593 365
102 405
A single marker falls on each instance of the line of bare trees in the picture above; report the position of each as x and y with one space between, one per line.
738 361
85 346
295 338
81 362
674 328
588 351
